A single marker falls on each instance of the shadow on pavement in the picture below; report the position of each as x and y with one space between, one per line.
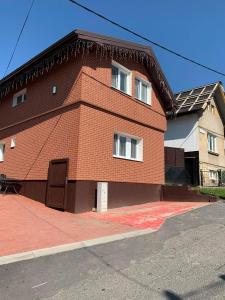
170 295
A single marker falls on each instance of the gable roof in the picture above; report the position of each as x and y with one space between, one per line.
80 42
196 99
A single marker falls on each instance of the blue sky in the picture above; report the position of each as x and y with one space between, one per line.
194 28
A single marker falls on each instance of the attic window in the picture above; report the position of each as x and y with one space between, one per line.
143 90
212 143
2 152
19 97
211 108
121 78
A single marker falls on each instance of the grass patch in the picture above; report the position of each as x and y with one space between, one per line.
217 191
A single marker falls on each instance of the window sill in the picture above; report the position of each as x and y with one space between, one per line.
15 105
140 100
148 105
131 159
213 153
122 92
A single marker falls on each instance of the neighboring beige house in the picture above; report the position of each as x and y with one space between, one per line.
198 127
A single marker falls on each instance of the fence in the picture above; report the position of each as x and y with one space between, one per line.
176 175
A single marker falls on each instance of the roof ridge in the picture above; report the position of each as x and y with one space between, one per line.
111 38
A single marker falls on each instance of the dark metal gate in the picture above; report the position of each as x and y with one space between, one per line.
56 194
174 166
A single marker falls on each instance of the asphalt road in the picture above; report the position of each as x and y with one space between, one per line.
185 259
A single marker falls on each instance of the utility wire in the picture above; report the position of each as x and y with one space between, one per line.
19 36
147 39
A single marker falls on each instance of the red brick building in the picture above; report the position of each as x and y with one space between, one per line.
96 105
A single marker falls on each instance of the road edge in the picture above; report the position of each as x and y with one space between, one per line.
72 246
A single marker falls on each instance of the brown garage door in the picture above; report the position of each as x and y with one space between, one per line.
57 184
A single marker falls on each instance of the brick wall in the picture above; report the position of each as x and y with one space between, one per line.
37 142
95 155
84 134
39 94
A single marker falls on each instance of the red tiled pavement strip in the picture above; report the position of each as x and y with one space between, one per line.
150 215
27 225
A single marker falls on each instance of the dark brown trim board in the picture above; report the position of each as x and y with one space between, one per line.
82 195
119 194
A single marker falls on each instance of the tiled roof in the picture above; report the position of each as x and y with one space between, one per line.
193 100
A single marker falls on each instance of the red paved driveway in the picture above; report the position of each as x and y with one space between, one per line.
28 225
151 215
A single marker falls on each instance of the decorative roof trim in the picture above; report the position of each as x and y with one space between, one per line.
82 43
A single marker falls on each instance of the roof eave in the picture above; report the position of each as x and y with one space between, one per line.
168 101
39 56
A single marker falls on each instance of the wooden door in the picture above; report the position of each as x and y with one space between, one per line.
56 194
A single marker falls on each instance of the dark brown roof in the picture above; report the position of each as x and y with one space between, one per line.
194 99
80 41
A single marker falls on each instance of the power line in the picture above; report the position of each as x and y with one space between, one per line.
19 36
147 39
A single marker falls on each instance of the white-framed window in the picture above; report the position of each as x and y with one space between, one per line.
121 78
19 97
212 143
2 152
128 147
143 90
213 175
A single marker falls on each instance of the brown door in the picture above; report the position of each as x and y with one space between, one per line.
56 194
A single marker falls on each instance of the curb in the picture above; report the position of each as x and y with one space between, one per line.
72 246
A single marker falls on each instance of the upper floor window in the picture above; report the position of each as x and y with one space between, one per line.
121 78
143 90
2 152
128 147
19 97
212 143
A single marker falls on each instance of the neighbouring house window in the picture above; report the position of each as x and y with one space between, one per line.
121 78
211 108
19 97
127 147
2 152
211 142
143 90
213 175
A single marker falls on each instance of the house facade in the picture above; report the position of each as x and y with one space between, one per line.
88 110
198 128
